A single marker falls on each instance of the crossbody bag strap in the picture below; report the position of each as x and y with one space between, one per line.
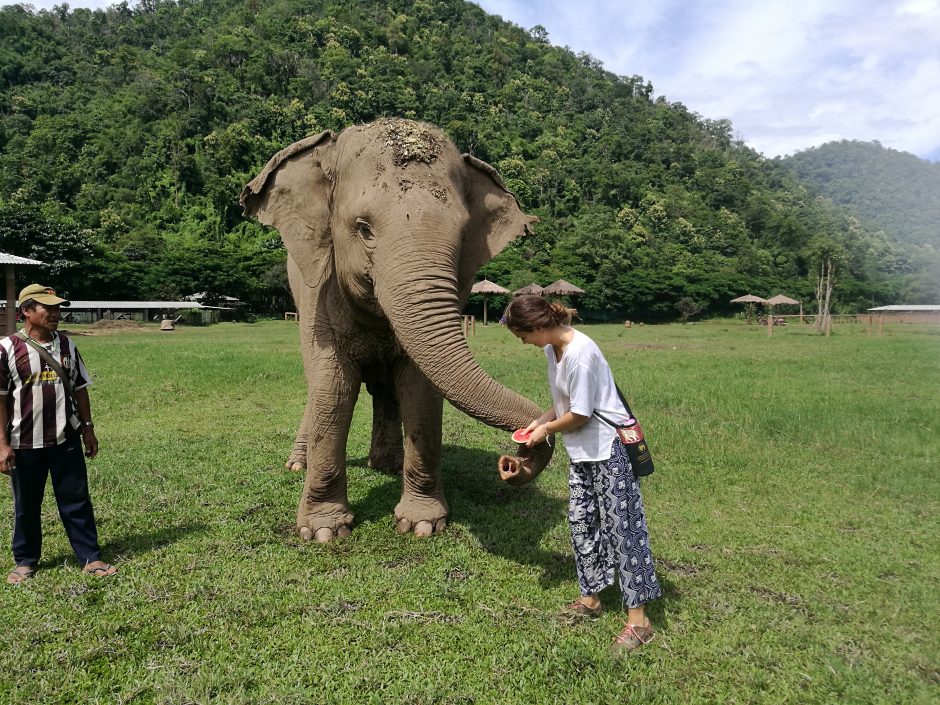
49 360
625 406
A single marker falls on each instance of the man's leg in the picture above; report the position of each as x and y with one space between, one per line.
28 479
70 483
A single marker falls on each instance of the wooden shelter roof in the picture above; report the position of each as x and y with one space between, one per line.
749 299
488 287
781 299
530 289
561 288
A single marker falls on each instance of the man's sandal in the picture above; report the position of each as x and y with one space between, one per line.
632 637
102 571
579 609
20 574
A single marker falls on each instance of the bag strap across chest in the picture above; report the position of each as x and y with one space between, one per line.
49 360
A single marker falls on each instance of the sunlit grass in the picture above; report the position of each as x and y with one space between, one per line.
793 514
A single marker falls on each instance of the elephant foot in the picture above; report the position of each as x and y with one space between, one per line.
296 461
421 529
421 516
325 525
324 534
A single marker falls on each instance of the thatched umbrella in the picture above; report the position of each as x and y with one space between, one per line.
780 299
561 288
749 299
485 288
9 263
534 289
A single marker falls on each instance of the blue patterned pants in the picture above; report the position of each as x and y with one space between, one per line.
608 529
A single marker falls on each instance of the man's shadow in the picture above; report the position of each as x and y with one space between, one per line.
124 548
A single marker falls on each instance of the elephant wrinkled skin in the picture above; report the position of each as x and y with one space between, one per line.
385 226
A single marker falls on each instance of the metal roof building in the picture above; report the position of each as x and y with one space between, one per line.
13 259
10 263
907 307
906 313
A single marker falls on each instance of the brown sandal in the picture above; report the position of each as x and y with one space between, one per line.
633 637
105 570
20 574
579 609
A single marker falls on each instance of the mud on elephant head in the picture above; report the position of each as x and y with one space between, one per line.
385 226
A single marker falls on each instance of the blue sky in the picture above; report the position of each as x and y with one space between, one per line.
790 74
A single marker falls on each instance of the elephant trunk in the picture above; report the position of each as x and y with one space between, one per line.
429 330
426 321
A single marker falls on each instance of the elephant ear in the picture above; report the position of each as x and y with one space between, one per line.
495 220
292 194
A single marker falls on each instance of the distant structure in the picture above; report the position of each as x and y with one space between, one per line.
908 313
10 263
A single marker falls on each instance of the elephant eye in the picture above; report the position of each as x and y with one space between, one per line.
364 230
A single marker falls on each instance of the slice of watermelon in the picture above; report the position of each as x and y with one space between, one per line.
521 435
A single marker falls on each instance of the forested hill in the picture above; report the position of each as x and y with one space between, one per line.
894 191
126 136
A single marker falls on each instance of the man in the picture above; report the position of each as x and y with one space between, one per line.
45 417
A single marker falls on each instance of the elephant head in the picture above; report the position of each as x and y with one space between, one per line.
398 222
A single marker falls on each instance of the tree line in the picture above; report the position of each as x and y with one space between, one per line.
126 135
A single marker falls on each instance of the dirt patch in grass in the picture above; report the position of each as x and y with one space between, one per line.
107 327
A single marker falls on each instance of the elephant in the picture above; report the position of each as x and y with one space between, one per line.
385 226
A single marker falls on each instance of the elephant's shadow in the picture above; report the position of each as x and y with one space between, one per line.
511 522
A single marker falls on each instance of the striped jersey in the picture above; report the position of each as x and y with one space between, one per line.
38 409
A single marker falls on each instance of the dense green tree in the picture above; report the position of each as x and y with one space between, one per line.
134 129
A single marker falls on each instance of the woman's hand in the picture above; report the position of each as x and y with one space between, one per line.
539 435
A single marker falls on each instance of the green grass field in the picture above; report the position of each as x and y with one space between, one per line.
793 515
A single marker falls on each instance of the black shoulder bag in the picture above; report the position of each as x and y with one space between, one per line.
631 435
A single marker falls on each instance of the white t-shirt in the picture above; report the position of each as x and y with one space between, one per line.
582 382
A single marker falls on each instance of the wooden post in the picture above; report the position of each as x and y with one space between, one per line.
868 327
801 313
881 323
770 324
10 328
484 309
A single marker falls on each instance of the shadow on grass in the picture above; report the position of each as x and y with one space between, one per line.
122 549
508 521
147 541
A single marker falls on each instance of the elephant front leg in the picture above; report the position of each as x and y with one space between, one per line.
324 512
422 508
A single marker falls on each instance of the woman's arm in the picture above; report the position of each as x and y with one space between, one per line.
548 415
568 422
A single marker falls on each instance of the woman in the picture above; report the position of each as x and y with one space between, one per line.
605 510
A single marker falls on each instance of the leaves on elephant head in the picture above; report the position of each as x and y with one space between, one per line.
411 141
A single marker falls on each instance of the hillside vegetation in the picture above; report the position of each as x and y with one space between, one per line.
127 134
893 193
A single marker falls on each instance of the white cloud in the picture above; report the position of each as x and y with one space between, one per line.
789 75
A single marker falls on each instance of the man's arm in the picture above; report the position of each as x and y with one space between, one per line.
7 456
84 414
